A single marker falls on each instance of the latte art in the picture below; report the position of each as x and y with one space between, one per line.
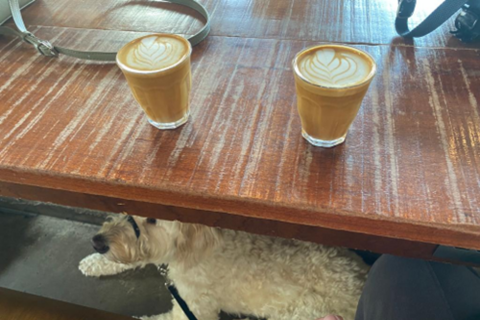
332 68
155 52
157 69
331 81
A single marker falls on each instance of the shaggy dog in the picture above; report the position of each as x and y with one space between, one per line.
232 271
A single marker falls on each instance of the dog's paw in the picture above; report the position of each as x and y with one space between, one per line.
96 265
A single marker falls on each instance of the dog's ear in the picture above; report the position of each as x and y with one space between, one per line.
194 241
111 217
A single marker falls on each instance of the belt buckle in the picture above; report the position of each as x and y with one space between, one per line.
44 47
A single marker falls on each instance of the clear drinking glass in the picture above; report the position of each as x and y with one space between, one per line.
331 82
157 69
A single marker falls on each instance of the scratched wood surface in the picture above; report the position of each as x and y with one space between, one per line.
409 168
345 21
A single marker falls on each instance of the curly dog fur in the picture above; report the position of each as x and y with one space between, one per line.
238 272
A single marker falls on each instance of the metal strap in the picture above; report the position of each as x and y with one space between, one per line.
47 49
432 22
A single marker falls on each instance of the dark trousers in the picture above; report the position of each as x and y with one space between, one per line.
409 289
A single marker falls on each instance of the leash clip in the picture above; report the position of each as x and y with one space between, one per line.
173 291
164 272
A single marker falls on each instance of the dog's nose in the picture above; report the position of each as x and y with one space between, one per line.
99 244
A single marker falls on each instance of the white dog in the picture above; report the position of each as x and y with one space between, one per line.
236 272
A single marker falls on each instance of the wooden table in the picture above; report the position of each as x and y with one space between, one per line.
406 180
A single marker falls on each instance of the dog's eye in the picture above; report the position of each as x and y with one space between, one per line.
151 220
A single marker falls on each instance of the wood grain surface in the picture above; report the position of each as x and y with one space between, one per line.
410 168
276 228
344 21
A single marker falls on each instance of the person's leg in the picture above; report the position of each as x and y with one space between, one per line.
401 288
461 287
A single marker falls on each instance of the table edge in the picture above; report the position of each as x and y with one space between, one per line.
464 236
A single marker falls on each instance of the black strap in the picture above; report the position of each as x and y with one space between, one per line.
174 292
181 302
432 22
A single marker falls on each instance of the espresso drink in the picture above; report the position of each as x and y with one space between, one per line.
331 81
157 68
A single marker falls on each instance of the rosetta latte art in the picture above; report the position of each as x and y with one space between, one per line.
152 53
331 68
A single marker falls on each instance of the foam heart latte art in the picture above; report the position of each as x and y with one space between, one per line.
154 53
331 81
157 69
334 68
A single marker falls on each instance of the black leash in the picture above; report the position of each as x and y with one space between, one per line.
174 292
164 272
432 22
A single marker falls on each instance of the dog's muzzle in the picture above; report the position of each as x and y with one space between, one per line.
99 243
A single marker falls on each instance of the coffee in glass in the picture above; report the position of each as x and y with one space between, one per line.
331 81
157 69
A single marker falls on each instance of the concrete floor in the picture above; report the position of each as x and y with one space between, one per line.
39 255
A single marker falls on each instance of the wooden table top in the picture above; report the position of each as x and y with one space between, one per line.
410 167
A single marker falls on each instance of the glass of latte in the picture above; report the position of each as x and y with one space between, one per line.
331 81
157 69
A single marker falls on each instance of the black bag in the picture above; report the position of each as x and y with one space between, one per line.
467 22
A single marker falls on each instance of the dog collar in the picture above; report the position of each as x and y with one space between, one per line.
134 225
